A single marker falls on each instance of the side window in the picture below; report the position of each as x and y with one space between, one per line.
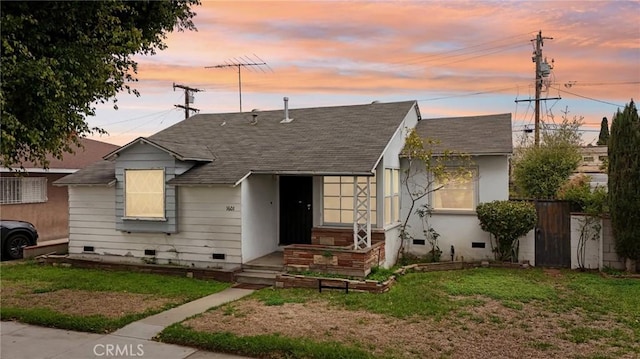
457 193
391 195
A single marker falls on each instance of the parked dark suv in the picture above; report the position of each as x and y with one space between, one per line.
15 236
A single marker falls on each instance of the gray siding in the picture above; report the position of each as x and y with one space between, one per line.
144 156
207 225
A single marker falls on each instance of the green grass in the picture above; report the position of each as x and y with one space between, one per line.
57 278
49 318
503 285
454 294
266 346
429 294
43 279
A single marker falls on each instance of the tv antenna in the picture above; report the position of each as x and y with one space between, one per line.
239 63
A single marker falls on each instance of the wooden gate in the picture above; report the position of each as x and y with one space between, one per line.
553 234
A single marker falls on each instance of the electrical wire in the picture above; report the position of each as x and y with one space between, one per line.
588 98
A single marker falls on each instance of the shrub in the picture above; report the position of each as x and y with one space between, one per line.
583 198
506 221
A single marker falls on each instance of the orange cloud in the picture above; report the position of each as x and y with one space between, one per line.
412 49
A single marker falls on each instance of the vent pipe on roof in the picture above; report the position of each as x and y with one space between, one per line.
286 111
254 113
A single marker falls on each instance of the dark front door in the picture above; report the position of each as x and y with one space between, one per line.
553 234
296 210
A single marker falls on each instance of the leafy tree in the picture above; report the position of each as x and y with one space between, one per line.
539 171
603 137
427 165
507 221
624 181
60 58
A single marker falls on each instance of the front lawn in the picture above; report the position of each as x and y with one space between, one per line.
476 313
91 300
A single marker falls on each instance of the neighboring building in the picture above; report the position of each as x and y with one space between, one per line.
487 139
30 196
593 164
219 190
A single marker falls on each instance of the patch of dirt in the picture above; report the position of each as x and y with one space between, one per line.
81 302
553 272
487 331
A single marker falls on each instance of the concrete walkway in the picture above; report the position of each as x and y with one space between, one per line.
21 341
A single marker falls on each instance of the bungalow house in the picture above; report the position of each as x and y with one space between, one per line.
30 195
221 190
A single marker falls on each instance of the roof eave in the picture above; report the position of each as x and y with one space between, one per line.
102 184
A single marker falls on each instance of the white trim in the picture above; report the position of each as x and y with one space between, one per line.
242 179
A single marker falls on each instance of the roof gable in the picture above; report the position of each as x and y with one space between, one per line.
181 151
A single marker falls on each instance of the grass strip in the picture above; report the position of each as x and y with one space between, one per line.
49 318
261 346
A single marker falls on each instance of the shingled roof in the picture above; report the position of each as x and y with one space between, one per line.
473 135
90 152
339 140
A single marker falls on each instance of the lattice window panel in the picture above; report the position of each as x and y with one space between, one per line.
144 193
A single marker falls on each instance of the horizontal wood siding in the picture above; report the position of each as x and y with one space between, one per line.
207 225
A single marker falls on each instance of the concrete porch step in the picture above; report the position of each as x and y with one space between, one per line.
257 277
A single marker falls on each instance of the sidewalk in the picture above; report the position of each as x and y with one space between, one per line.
22 341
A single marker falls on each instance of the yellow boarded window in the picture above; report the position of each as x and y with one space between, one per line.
144 193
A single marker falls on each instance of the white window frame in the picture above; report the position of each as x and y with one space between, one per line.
135 216
391 193
474 187
23 190
345 201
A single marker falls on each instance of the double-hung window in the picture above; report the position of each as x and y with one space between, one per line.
391 195
338 199
457 192
144 194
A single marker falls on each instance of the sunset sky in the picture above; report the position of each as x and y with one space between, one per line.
456 58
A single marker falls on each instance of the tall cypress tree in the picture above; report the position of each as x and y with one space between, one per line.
624 181
603 138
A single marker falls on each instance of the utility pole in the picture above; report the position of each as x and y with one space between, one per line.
188 99
239 64
542 69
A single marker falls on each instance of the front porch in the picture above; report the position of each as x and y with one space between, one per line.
331 251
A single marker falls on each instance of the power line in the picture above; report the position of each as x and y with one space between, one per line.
588 98
136 118
419 59
467 94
